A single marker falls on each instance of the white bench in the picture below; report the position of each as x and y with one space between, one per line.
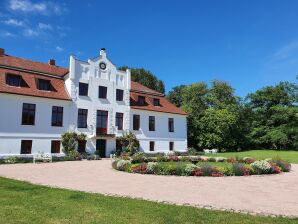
206 151
45 157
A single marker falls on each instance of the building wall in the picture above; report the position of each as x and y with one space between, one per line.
161 136
12 131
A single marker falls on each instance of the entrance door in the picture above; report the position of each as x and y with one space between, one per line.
102 122
101 147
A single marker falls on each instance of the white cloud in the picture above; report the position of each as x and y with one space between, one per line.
44 26
30 33
13 22
6 34
59 49
45 8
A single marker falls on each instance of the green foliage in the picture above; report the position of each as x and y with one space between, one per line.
129 142
145 78
70 140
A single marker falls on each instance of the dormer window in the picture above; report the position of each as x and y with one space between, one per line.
156 102
43 84
141 100
14 80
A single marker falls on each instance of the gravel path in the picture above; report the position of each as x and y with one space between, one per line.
269 194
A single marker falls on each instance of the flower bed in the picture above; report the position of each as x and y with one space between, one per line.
199 165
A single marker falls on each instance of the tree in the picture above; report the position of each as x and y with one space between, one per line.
145 78
129 142
175 95
70 140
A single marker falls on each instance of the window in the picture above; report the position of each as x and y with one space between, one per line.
171 146
171 124
136 122
55 146
151 123
119 121
14 80
102 122
83 89
26 146
151 145
82 146
82 118
43 84
141 100
102 92
28 115
57 116
156 102
119 94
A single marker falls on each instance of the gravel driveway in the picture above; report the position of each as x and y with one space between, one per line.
269 194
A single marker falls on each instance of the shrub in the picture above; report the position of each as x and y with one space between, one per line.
211 159
11 160
206 169
70 140
141 168
248 160
275 169
114 164
228 171
261 166
239 169
198 172
152 167
216 172
129 142
138 158
173 158
190 169
285 167
123 165
231 160
162 158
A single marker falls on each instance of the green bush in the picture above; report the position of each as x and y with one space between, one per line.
70 140
206 169
138 157
129 142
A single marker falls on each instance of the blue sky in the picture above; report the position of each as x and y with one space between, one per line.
249 44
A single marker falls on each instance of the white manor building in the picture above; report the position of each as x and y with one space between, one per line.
39 102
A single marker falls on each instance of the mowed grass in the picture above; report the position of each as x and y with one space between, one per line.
289 156
21 202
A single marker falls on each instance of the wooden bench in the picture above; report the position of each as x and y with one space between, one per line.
44 157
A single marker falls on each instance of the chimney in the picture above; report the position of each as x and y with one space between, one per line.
2 51
103 52
52 62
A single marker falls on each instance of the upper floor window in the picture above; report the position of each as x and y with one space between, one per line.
57 116
156 102
141 100
171 124
28 114
43 84
119 94
15 80
102 92
119 121
82 118
55 146
151 123
83 89
136 122
26 146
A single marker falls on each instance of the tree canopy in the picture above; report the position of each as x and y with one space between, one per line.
145 78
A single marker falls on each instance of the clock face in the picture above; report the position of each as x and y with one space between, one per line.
102 65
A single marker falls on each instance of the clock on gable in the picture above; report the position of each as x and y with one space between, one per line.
102 65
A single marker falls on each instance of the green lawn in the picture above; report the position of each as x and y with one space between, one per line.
21 202
289 156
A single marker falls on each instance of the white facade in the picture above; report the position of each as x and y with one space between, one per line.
12 132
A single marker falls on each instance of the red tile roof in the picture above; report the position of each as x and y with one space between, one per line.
26 64
30 72
149 94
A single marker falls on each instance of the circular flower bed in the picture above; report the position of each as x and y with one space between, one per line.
199 165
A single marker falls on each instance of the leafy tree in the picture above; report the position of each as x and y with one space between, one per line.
145 78
70 140
175 95
129 142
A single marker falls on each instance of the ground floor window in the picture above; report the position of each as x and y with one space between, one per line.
171 146
151 145
55 146
82 146
26 146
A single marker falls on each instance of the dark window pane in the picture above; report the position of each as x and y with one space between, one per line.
151 146
156 102
43 84
102 122
57 116
28 114
13 80
102 92
55 147
82 118
26 146
119 94
141 100
171 124
82 146
151 123
119 121
83 89
136 122
171 146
